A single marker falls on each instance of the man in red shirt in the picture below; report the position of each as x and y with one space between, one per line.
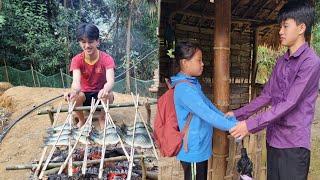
92 71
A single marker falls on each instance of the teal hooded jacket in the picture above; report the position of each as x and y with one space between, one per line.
190 98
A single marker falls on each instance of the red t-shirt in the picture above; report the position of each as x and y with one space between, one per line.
93 77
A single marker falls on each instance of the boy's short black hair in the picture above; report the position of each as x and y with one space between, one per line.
185 50
89 31
300 11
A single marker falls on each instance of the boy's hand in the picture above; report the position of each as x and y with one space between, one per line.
229 114
240 130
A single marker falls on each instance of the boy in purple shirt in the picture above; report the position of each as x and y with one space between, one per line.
291 93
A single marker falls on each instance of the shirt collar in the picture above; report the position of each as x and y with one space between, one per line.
298 52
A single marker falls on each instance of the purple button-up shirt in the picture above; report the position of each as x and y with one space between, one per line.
292 92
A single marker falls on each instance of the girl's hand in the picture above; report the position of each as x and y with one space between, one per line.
229 114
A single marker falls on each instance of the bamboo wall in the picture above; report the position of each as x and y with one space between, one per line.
240 66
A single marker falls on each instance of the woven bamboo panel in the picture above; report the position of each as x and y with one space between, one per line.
170 169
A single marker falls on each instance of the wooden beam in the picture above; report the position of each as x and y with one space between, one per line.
185 4
278 7
252 8
236 7
194 29
211 17
221 90
182 5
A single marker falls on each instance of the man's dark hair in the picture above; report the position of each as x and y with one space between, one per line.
89 31
185 50
300 11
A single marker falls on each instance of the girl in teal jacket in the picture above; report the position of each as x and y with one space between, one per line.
189 98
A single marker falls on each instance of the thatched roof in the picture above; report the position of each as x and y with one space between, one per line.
246 14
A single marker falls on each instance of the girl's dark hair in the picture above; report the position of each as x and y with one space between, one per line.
185 50
89 31
300 11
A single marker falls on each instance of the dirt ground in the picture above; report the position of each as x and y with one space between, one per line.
23 143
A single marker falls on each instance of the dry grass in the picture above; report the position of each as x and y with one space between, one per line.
5 86
6 102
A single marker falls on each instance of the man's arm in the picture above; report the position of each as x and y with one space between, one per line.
259 102
109 84
75 86
76 76
305 78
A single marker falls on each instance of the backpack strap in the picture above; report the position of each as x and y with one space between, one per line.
185 132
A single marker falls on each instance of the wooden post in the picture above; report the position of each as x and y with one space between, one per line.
221 75
62 78
34 80
5 67
254 66
38 81
50 113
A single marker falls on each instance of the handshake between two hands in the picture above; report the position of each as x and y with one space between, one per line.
240 130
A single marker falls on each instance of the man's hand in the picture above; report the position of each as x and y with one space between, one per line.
240 130
229 114
68 96
102 93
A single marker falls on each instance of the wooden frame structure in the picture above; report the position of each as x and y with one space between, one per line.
229 32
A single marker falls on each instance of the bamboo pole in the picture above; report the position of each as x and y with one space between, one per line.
103 150
128 47
99 107
133 136
45 148
85 156
70 173
54 145
221 84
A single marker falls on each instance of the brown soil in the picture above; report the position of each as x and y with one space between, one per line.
23 143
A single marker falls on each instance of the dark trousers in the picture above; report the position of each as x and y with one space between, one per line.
288 163
198 170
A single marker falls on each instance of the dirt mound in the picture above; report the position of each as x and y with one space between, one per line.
23 143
